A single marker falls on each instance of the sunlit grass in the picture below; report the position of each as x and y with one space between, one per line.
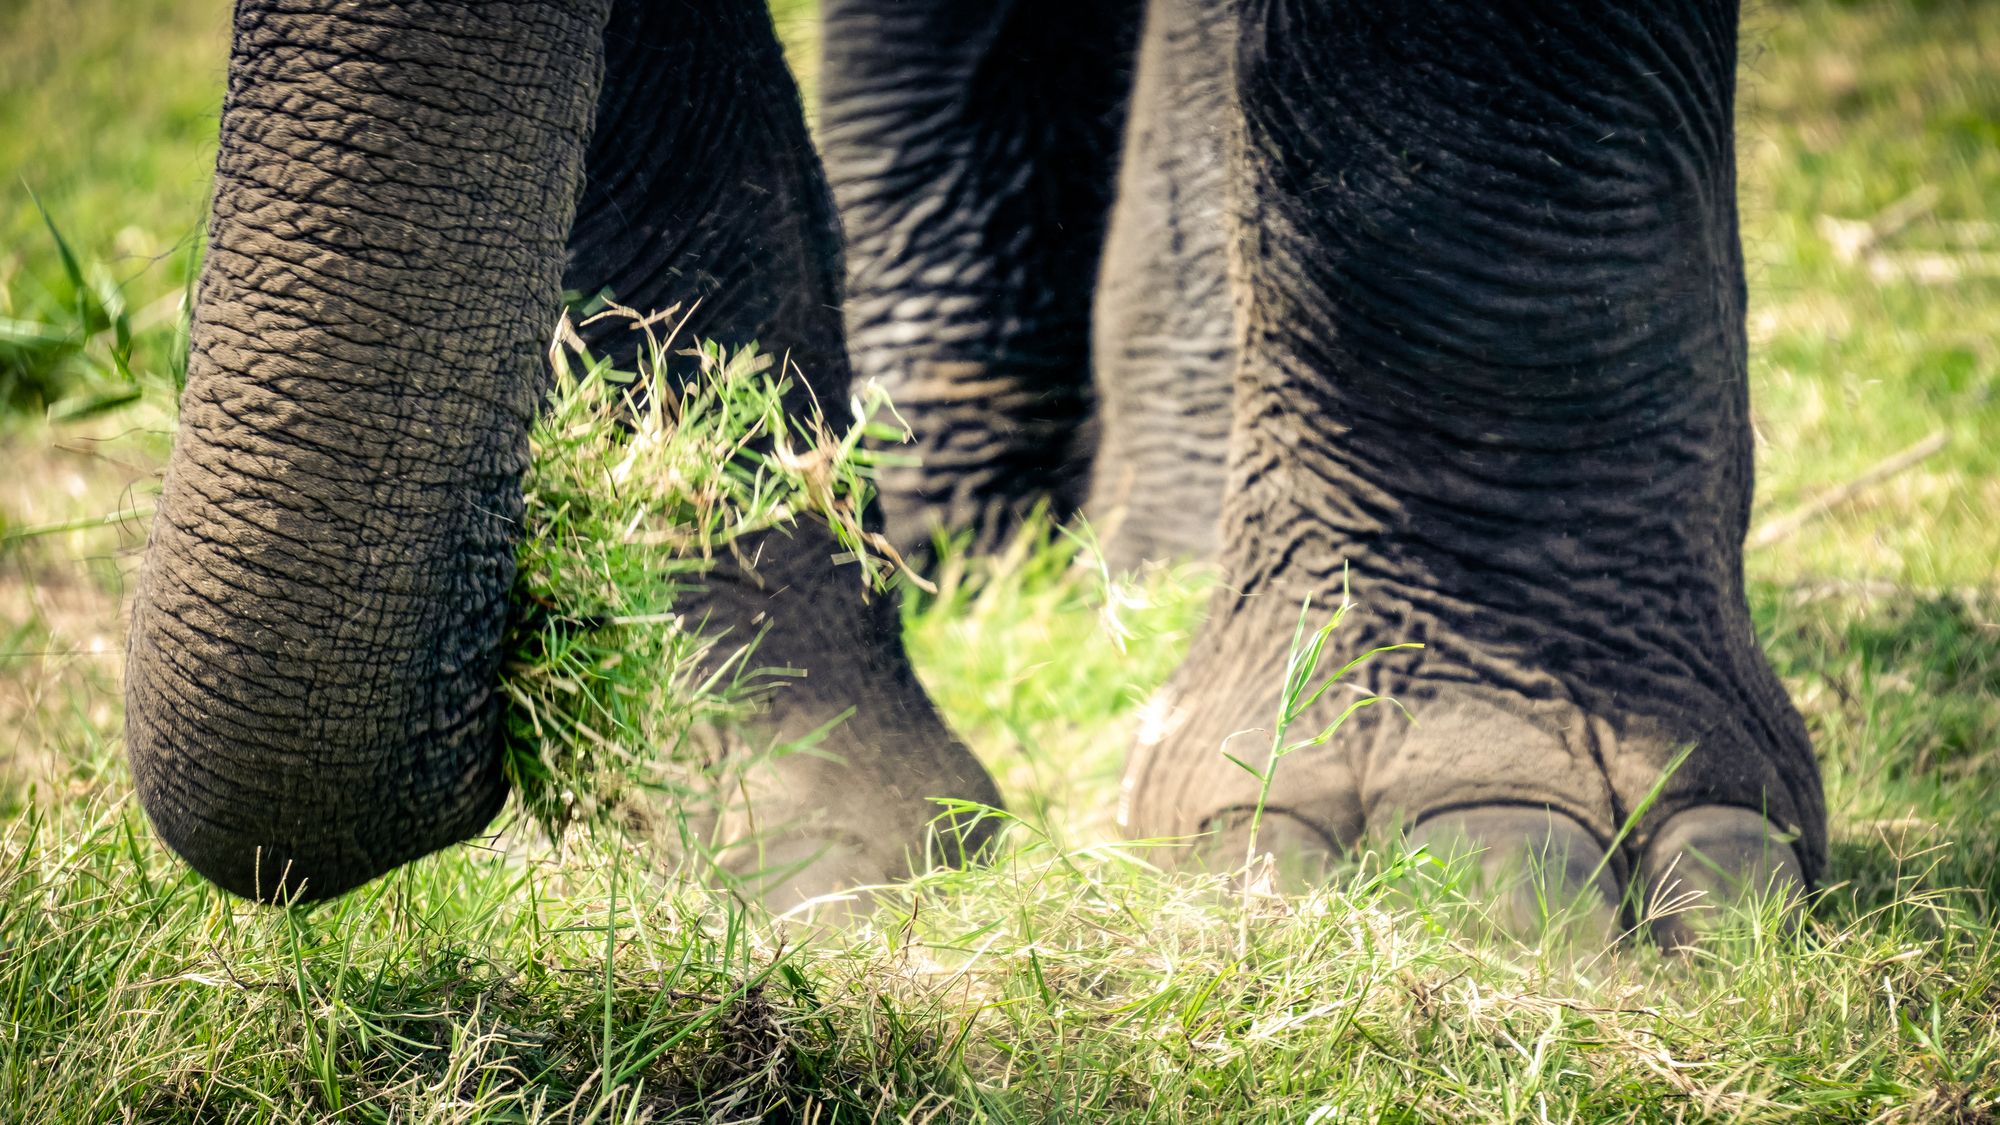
1847 110
1070 980
638 483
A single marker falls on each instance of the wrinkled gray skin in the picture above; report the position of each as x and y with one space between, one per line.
1446 303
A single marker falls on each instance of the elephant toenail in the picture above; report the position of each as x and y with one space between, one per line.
1538 870
1712 859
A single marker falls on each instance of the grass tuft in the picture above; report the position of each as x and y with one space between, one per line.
637 483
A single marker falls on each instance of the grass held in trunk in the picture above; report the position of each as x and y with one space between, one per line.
638 482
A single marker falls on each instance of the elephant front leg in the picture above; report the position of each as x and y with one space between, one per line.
1493 375
702 191
971 145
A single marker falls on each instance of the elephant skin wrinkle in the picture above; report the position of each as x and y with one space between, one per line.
973 147
1491 378
309 690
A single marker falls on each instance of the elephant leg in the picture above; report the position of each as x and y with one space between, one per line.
1493 374
702 190
313 657
1162 347
971 145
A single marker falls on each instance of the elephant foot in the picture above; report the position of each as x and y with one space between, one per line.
1617 800
1283 853
806 822
840 780
1711 860
806 829
1537 869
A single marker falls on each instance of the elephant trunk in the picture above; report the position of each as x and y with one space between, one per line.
314 646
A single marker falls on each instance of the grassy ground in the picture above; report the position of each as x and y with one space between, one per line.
1069 981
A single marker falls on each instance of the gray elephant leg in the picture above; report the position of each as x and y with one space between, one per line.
1162 348
1494 372
313 656
746 243
971 146
719 205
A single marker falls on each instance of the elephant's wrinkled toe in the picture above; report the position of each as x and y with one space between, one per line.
805 831
1539 870
817 877
1709 860
825 868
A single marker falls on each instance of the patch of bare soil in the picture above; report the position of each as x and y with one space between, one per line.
72 523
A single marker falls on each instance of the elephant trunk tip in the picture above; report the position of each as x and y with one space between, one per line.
304 847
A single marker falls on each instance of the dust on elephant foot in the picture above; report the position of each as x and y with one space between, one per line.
1568 807
1712 860
807 830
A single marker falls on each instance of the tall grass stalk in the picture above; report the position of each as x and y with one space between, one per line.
1303 687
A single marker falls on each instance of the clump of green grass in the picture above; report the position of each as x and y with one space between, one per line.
638 483
73 354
